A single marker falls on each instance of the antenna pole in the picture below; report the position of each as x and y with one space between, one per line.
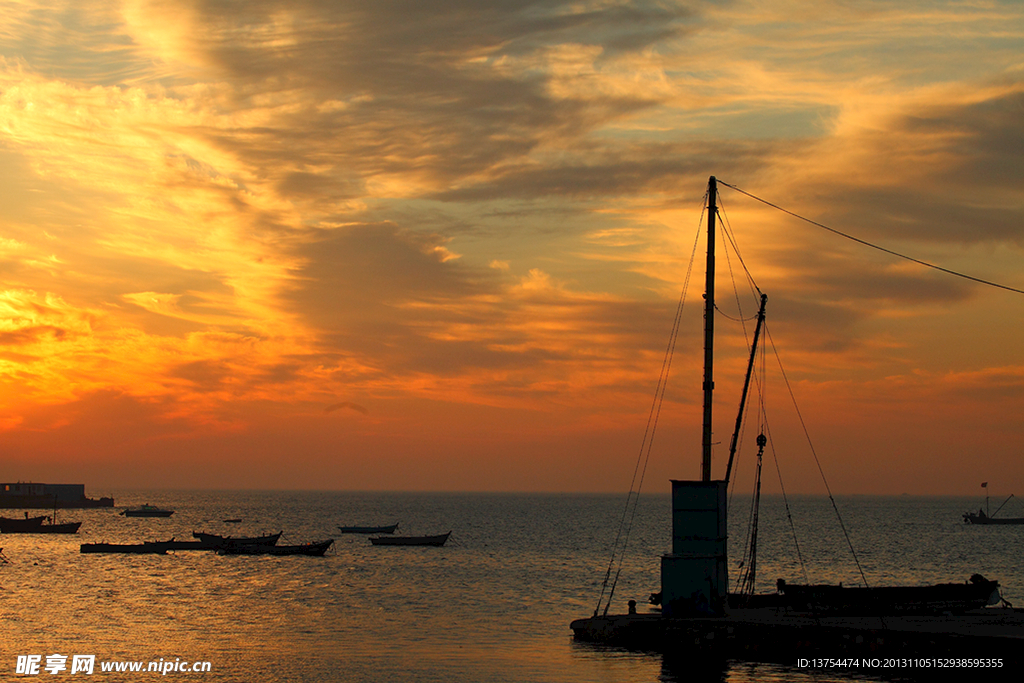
709 329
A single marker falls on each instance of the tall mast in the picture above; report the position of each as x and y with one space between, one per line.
709 329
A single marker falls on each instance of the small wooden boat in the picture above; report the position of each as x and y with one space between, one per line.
189 545
944 598
436 541
314 549
369 529
217 542
20 526
147 510
64 528
148 548
38 525
236 520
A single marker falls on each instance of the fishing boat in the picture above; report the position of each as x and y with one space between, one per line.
51 528
698 611
147 510
19 526
369 529
146 548
317 549
983 517
38 525
217 542
437 541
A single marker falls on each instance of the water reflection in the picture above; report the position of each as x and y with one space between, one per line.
680 667
495 608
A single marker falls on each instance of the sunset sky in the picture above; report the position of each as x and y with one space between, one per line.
439 245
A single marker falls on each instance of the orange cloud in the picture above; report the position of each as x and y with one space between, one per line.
480 221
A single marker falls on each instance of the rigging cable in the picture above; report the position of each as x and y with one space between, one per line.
817 462
736 320
732 275
726 230
660 398
875 246
785 501
766 430
648 440
739 309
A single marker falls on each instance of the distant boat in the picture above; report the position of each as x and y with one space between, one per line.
20 526
218 542
314 549
438 540
232 521
65 528
369 529
146 510
982 517
150 548
37 525
188 545
214 542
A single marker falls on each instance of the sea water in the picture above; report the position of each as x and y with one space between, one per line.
494 604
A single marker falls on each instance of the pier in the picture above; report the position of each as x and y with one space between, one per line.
991 638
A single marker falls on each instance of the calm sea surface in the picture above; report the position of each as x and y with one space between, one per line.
493 605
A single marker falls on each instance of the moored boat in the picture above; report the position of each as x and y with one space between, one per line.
317 549
217 542
18 526
945 598
38 525
369 529
437 541
147 510
146 548
63 528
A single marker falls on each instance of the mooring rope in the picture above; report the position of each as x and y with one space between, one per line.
817 462
625 528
